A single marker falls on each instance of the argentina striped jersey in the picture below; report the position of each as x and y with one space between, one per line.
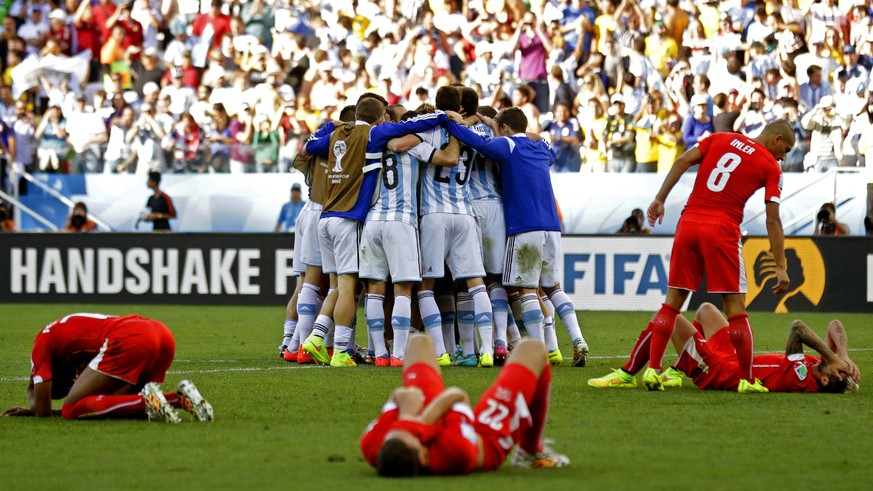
484 178
398 195
444 189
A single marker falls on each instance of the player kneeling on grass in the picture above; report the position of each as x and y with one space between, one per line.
426 428
707 355
107 366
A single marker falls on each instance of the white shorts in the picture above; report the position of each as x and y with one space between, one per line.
339 238
453 240
390 247
489 216
532 259
307 249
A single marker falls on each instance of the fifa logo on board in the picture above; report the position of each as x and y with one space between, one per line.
339 150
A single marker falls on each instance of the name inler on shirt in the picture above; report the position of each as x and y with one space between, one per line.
742 147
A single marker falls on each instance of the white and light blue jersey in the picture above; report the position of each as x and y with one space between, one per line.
444 189
484 178
398 194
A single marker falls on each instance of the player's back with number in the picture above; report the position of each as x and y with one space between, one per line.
443 189
733 168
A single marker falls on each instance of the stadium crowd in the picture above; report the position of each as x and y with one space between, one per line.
617 86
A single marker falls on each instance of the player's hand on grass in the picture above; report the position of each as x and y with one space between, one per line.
782 281
656 213
18 411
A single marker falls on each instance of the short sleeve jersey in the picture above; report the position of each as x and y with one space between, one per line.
733 168
781 373
67 342
452 446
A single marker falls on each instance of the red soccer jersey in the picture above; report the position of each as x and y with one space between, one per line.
732 169
452 447
66 343
791 373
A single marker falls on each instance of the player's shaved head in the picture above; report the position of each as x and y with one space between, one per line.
514 118
777 137
397 459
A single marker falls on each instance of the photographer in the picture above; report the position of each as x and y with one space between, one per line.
7 224
78 220
634 224
826 222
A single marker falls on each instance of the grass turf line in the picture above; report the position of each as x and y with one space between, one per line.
279 427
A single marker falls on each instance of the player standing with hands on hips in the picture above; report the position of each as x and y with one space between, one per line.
708 239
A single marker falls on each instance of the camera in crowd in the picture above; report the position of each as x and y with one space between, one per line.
824 215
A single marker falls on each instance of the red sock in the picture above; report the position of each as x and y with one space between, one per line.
662 330
699 327
105 406
640 354
531 438
173 399
744 343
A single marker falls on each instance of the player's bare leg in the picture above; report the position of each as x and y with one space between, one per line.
563 306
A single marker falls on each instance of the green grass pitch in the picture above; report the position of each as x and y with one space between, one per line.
282 427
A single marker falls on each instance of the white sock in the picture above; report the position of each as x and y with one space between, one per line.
533 316
322 326
484 318
446 305
288 328
466 322
565 310
401 322
308 305
342 337
375 310
430 316
549 333
515 306
512 329
500 307
331 334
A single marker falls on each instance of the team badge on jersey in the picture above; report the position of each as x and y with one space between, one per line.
801 370
339 150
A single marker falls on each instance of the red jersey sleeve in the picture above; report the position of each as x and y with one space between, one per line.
704 144
375 433
773 186
41 358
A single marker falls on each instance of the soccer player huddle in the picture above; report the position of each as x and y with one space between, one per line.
448 204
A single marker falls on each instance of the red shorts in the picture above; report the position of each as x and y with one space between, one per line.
707 245
136 350
502 411
426 378
711 363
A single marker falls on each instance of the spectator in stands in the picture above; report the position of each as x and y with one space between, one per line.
144 139
24 128
290 211
265 144
34 31
752 117
240 130
670 145
826 221
117 155
813 90
187 145
159 204
793 161
211 26
563 132
699 126
78 220
7 224
725 113
52 146
147 70
826 140
533 44
618 138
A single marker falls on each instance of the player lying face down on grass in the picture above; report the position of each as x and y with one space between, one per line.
426 428
107 366
708 357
